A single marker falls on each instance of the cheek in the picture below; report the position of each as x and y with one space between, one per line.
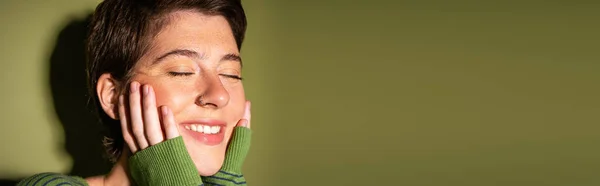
180 98
174 97
237 102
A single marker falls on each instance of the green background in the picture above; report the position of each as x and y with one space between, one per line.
367 92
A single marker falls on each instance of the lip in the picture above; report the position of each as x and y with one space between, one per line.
211 122
207 139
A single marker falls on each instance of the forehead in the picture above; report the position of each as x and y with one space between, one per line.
209 35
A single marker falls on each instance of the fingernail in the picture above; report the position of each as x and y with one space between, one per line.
164 110
244 123
146 89
133 88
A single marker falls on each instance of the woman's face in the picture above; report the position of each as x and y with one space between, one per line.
194 67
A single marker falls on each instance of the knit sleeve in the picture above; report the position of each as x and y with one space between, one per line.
231 172
166 163
52 179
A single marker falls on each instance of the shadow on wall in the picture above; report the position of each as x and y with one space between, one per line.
82 130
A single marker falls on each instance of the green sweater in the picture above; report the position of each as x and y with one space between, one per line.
168 163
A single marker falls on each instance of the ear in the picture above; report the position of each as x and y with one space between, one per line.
108 95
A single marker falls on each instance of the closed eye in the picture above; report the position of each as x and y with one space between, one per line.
181 73
231 76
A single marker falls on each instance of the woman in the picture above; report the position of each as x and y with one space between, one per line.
166 75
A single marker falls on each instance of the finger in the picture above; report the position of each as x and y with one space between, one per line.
247 114
169 123
152 126
243 123
135 111
124 127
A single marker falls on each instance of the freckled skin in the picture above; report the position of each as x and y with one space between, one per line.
211 37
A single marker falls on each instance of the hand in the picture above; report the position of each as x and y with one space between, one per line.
140 122
239 145
245 121
144 126
237 149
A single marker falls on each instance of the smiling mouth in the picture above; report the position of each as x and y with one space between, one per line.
205 129
209 132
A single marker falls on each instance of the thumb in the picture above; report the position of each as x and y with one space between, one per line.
238 148
243 123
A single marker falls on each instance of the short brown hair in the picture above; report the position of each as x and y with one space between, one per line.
121 32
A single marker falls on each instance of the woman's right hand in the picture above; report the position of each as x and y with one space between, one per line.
142 122
144 127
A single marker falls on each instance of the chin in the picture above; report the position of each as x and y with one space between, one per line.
207 158
207 152
208 166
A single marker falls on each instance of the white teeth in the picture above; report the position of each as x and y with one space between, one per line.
194 128
204 128
215 129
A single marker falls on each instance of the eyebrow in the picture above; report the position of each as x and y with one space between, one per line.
179 52
196 55
232 57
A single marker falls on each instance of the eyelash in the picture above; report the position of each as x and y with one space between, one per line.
181 73
232 76
176 74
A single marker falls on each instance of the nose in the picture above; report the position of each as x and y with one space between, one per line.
214 96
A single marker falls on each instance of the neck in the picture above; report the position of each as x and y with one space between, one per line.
118 175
